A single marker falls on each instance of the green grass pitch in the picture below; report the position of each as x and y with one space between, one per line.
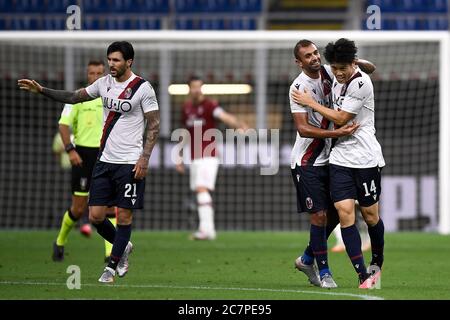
238 266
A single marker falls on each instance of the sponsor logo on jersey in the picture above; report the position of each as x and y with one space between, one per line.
116 105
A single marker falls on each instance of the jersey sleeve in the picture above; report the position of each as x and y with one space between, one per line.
149 102
217 110
94 89
67 115
357 93
295 107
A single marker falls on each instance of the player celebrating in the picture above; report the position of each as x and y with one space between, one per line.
356 160
86 121
309 161
118 177
201 111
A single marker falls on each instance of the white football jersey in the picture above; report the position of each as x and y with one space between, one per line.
312 151
124 105
361 149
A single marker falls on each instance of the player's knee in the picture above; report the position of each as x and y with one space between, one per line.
319 218
95 218
371 219
77 210
204 198
124 216
370 215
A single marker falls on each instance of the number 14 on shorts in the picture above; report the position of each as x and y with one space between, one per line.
373 189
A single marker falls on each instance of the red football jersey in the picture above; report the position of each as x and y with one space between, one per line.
202 115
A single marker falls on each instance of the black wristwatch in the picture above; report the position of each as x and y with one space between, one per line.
69 147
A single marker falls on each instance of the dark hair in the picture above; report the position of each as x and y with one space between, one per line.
96 63
342 51
123 47
194 78
301 44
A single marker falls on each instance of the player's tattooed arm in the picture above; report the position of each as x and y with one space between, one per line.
152 133
64 96
151 136
71 97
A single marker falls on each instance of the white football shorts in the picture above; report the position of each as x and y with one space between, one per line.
203 173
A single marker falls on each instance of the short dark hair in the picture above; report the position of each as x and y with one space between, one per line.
194 78
342 51
123 47
302 44
95 62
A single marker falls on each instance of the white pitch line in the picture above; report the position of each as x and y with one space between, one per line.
360 296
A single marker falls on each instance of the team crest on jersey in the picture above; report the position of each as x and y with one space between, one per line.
309 203
128 93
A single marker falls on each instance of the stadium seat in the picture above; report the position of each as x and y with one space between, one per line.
96 6
145 6
91 23
184 24
242 24
187 6
211 24
54 24
248 6
6 6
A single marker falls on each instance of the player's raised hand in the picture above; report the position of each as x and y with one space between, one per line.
303 98
29 85
140 168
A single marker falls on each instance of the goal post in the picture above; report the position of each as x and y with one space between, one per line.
412 104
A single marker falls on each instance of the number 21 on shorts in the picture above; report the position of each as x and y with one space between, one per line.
129 188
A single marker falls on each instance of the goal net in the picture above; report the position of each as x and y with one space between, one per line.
411 102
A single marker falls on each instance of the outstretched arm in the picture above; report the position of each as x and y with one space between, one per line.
71 97
232 121
151 136
338 117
